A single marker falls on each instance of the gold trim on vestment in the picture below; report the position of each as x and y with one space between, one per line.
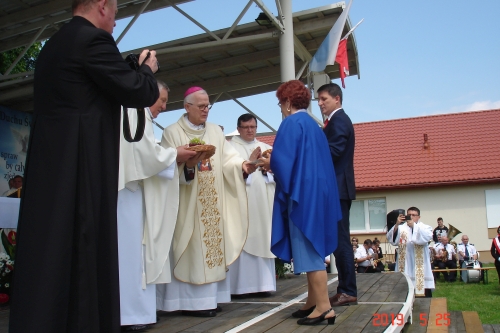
210 219
419 270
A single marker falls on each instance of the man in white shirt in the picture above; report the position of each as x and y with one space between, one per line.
364 257
467 252
446 259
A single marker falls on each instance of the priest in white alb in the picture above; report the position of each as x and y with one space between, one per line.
253 272
212 222
146 189
412 240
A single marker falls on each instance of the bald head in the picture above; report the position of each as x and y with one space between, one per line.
444 240
465 239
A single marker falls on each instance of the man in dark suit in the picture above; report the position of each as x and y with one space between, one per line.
340 135
66 276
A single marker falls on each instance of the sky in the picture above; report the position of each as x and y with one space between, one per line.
416 58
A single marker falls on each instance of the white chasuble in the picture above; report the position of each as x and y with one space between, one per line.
413 254
212 223
260 193
145 161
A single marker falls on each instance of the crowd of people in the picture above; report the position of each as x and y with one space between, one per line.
135 227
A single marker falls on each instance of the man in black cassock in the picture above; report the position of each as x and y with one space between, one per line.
66 276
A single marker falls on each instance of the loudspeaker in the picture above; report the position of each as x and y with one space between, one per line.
392 217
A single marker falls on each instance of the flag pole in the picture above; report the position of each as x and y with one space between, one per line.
352 30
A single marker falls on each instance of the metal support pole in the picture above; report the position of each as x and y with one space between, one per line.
286 43
124 32
26 48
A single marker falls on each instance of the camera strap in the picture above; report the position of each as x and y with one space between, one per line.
141 125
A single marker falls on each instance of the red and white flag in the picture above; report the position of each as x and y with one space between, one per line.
342 60
327 51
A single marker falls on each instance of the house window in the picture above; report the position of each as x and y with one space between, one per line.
492 207
368 215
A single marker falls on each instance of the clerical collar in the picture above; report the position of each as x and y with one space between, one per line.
333 112
193 126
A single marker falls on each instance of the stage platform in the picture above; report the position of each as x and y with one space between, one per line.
386 303
380 297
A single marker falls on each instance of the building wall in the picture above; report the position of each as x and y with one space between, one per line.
462 206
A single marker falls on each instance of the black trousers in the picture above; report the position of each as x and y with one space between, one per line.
367 269
343 254
449 277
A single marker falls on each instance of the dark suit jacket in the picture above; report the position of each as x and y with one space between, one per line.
66 277
340 135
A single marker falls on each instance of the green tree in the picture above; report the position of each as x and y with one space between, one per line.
27 62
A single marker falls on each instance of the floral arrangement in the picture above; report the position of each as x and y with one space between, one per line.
7 256
282 268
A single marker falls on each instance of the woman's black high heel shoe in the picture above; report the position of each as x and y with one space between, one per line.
303 313
317 320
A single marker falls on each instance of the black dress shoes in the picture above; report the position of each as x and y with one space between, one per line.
317 320
343 299
200 313
303 313
134 328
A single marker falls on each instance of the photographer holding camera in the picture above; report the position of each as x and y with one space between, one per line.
80 82
412 240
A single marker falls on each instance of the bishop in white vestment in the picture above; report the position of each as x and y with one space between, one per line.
146 187
212 222
412 240
254 270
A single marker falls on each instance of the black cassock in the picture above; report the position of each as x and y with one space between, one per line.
66 270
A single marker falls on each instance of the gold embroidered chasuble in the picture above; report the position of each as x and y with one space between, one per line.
260 193
212 222
413 254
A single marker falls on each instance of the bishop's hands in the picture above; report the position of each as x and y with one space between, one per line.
193 161
183 154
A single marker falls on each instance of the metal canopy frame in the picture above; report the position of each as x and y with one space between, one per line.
231 63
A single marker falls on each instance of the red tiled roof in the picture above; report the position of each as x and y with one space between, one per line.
462 148
269 139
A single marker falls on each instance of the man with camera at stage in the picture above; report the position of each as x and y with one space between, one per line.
412 239
445 257
80 82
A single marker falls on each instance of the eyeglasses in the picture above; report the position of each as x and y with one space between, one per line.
248 127
201 107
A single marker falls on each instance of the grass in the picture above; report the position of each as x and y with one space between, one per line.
483 298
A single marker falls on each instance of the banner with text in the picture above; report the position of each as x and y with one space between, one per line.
14 137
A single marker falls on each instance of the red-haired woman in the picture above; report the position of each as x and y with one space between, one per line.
495 252
306 204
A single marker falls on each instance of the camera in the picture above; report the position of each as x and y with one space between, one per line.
393 216
133 61
402 212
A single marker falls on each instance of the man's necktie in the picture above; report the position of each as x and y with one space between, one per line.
326 122
466 251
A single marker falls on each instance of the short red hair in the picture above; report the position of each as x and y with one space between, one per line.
295 92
